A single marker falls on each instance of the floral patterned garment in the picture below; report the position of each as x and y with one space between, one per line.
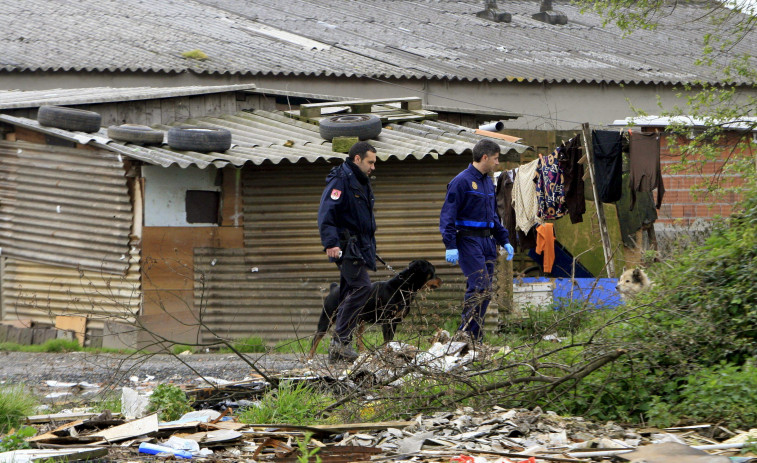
550 187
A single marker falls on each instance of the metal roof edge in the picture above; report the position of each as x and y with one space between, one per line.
121 94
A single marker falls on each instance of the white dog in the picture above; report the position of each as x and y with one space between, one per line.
632 282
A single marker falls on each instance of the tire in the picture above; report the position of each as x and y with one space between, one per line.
199 139
69 119
133 133
363 126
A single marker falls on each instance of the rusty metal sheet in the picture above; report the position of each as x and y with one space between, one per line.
274 287
64 206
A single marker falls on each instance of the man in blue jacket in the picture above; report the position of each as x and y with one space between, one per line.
470 225
347 227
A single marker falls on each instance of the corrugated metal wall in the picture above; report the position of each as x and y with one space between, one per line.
39 292
64 206
273 288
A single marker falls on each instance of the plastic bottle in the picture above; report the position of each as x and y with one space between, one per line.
154 449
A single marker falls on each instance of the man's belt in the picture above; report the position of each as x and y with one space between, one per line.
475 232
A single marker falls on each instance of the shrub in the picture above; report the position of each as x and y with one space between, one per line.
290 403
17 440
15 405
689 338
169 401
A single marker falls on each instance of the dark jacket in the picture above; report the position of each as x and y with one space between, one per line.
470 204
345 216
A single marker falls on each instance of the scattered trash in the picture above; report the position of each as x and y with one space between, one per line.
133 404
153 449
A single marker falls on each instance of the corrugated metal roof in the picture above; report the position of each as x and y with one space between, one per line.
79 96
442 39
742 123
263 136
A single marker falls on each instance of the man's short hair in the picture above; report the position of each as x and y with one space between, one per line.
485 147
359 149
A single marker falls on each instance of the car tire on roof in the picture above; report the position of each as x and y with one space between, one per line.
69 118
134 133
200 139
363 126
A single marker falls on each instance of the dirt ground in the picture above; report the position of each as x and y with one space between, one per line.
114 369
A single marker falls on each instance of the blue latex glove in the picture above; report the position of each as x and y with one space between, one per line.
510 251
452 256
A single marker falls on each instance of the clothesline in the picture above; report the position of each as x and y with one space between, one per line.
552 185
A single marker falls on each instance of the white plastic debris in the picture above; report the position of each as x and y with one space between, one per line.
180 443
133 404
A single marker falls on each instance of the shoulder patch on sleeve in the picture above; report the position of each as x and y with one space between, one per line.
336 194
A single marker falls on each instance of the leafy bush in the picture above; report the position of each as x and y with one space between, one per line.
689 338
290 403
169 401
724 392
17 440
15 405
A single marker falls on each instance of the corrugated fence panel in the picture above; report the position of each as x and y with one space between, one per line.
39 292
64 206
273 288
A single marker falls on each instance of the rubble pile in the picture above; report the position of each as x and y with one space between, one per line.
213 431
464 435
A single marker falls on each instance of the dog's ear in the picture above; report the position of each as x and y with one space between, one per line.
637 275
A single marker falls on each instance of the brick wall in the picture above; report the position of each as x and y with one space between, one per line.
695 191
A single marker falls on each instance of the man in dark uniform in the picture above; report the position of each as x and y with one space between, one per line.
470 225
347 227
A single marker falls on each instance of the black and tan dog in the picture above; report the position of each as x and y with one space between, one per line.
388 303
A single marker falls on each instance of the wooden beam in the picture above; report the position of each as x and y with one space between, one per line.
603 233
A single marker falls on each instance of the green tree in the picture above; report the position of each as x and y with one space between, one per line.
724 101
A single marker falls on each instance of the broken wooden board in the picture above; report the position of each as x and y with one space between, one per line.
331 428
73 323
136 428
53 434
211 438
52 455
36 419
672 452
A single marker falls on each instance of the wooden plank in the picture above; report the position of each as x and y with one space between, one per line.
406 100
153 112
42 335
181 109
136 428
197 106
34 419
603 233
53 455
132 112
73 323
167 111
52 434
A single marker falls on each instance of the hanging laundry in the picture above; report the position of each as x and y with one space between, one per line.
608 164
545 244
645 174
550 190
504 195
524 197
573 174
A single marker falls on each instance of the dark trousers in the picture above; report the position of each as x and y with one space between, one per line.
477 257
354 289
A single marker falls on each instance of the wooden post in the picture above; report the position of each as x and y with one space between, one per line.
603 233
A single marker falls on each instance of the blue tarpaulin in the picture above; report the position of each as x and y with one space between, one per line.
599 292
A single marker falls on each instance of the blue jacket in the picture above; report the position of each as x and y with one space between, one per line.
346 211
470 204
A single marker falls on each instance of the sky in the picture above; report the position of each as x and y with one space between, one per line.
748 5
